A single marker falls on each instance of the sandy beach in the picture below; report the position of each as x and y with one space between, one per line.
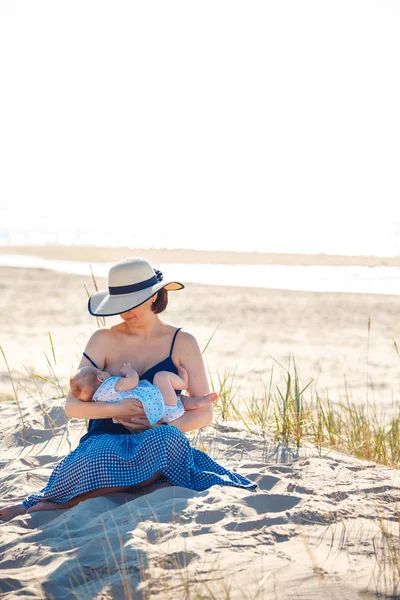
314 528
165 255
249 151
253 329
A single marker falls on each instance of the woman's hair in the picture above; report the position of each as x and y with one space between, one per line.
161 303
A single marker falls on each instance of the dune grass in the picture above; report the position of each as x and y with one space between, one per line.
294 413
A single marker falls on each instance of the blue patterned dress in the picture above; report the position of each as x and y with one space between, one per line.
109 455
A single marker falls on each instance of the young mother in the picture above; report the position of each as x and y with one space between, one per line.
109 458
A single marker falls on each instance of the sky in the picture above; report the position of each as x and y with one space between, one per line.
216 124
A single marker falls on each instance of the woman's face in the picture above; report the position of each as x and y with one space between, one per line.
140 314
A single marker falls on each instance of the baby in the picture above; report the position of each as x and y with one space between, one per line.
159 399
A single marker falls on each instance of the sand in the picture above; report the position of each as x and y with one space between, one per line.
326 333
312 529
185 256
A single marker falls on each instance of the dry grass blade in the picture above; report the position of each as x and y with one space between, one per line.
101 322
15 394
396 347
96 287
98 319
52 423
55 382
369 330
52 348
209 341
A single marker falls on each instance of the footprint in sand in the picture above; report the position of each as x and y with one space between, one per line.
176 560
255 524
264 482
209 517
267 503
287 469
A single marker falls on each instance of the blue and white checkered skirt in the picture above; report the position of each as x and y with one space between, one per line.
112 460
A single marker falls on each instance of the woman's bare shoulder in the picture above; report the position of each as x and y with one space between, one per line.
186 340
96 347
185 334
107 332
100 337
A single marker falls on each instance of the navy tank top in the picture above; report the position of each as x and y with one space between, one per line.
97 426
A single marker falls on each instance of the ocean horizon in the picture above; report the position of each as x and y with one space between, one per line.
341 279
348 238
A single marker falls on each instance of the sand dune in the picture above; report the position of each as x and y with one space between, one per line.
315 526
312 529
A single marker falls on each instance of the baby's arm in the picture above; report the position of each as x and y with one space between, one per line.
130 379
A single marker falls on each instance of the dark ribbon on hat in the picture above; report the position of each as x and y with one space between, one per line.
134 287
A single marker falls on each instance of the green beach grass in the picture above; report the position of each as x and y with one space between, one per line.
294 413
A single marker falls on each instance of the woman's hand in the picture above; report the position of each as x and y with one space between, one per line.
138 424
129 408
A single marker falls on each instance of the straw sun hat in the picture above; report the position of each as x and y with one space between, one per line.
130 283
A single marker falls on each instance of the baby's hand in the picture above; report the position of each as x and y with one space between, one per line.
184 376
127 370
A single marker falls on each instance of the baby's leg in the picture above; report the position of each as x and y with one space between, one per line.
162 380
168 382
93 494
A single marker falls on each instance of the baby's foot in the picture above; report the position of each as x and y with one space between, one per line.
190 403
11 510
184 376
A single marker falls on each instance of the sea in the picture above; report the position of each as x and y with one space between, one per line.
362 239
365 280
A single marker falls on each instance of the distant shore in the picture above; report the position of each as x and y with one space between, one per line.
183 256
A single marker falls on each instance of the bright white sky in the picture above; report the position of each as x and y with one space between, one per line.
221 122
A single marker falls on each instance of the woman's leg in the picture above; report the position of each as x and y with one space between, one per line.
10 511
45 505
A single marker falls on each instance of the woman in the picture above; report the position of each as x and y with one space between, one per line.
109 458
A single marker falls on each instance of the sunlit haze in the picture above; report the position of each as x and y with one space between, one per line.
258 125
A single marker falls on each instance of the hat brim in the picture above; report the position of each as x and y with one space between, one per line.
103 304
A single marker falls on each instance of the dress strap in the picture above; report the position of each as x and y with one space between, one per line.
173 340
88 357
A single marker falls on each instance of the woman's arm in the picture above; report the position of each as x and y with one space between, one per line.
194 419
191 358
187 353
96 349
127 408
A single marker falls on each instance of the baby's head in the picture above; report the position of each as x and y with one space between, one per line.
86 381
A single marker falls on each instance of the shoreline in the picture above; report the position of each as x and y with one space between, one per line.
184 256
